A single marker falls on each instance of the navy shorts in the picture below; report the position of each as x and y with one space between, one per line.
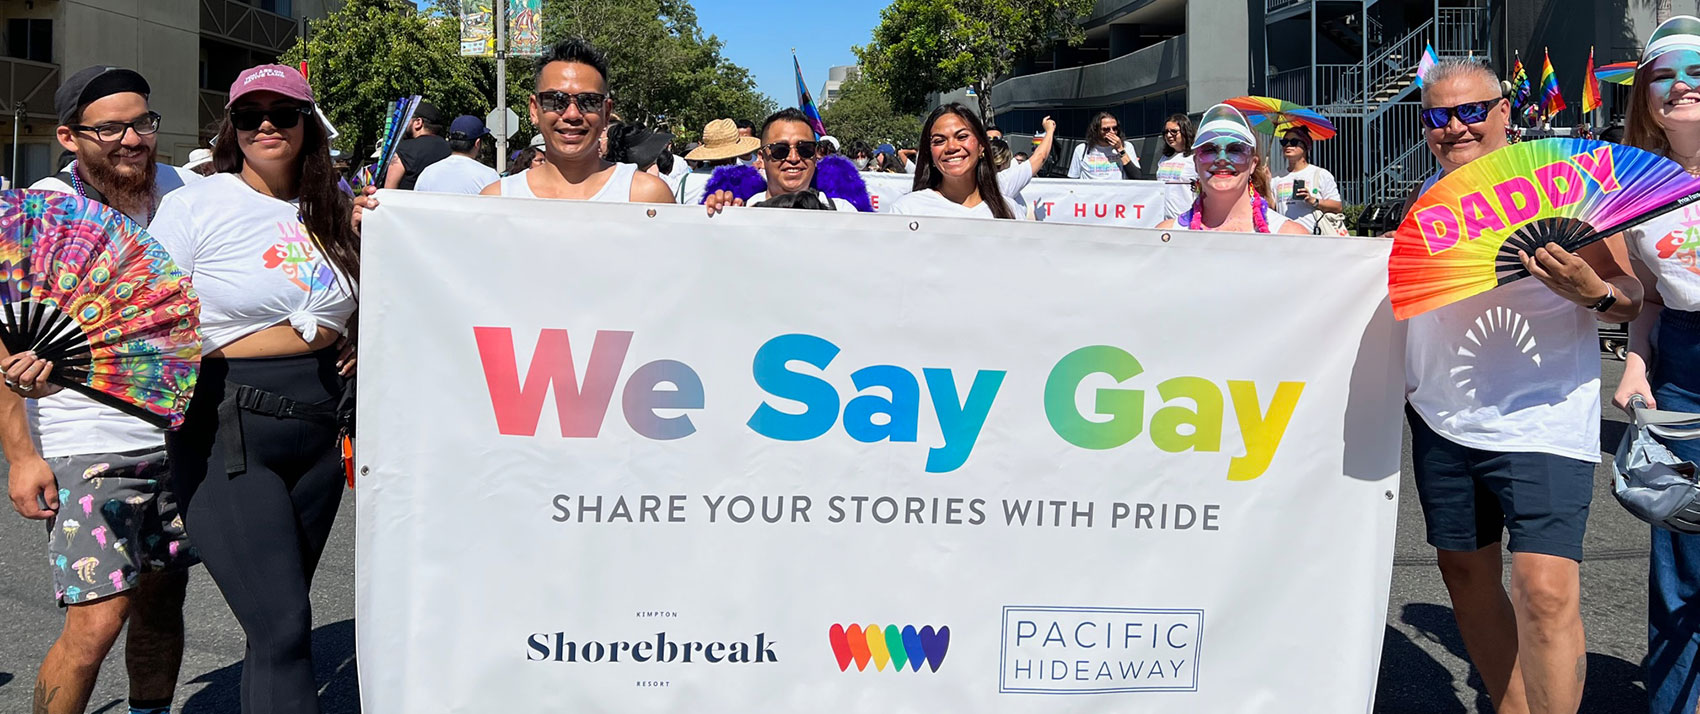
1470 496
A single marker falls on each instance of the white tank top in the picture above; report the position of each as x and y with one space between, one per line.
617 190
1514 369
1670 248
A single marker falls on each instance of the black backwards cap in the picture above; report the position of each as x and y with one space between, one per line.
92 84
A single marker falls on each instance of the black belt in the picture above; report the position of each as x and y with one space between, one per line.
240 398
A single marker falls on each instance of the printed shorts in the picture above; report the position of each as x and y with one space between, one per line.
117 518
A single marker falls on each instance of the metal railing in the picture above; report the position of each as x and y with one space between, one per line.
1461 32
245 24
1292 85
1273 5
29 85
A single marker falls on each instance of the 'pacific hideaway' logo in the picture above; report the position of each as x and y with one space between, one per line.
890 645
1099 650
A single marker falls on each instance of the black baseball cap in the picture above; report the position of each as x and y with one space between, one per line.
92 84
428 112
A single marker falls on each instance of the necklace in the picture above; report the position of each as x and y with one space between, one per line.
82 190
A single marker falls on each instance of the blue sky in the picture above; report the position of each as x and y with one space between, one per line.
759 35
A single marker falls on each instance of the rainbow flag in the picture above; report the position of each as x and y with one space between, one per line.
1552 99
1519 84
806 103
1590 86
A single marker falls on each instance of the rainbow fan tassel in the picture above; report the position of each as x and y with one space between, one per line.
1462 236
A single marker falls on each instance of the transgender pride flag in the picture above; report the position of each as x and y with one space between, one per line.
806 103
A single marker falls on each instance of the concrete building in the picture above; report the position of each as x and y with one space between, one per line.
190 51
835 78
1352 60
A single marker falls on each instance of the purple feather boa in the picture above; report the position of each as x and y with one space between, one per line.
835 176
742 181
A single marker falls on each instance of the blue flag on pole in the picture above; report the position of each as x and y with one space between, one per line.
806 103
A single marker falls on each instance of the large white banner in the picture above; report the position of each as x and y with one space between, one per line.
1134 204
629 458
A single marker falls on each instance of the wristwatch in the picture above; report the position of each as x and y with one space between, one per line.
1606 302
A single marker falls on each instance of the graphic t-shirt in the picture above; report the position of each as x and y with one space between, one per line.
1099 162
1669 246
1177 173
1514 369
1318 182
252 262
418 153
69 423
927 202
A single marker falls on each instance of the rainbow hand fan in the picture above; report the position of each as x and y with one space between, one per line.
1616 73
85 288
1461 237
395 129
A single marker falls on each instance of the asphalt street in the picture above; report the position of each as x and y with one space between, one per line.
1423 668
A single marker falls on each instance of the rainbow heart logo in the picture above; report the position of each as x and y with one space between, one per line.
888 646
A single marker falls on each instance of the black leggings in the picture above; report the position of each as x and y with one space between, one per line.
261 532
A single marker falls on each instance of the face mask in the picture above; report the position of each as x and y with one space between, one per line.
1675 66
860 163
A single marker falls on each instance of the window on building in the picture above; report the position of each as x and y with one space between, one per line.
281 7
29 39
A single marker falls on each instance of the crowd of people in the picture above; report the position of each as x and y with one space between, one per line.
250 485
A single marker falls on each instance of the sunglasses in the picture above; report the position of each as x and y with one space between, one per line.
1468 113
115 130
1237 152
1292 142
1171 132
554 101
780 151
280 117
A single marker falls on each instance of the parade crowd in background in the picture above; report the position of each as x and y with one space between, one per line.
268 228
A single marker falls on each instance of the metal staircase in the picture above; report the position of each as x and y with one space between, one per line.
1378 155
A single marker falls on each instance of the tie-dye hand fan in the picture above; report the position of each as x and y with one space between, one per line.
1461 237
86 289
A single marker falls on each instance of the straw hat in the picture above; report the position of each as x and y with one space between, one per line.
720 140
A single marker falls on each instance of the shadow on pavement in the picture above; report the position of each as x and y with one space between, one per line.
5 677
1413 682
333 669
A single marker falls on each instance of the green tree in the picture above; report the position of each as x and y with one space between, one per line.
369 53
663 71
863 112
926 46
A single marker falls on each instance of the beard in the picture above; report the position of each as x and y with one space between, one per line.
129 189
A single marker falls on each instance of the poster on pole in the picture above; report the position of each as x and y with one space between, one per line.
477 28
525 28
807 461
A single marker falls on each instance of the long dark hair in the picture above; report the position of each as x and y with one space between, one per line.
1095 130
985 175
1643 130
1187 135
325 209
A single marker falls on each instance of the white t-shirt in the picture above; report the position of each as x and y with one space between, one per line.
1514 369
1318 182
456 174
252 262
1669 246
1101 163
1015 178
1178 171
838 204
1275 221
69 423
928 202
